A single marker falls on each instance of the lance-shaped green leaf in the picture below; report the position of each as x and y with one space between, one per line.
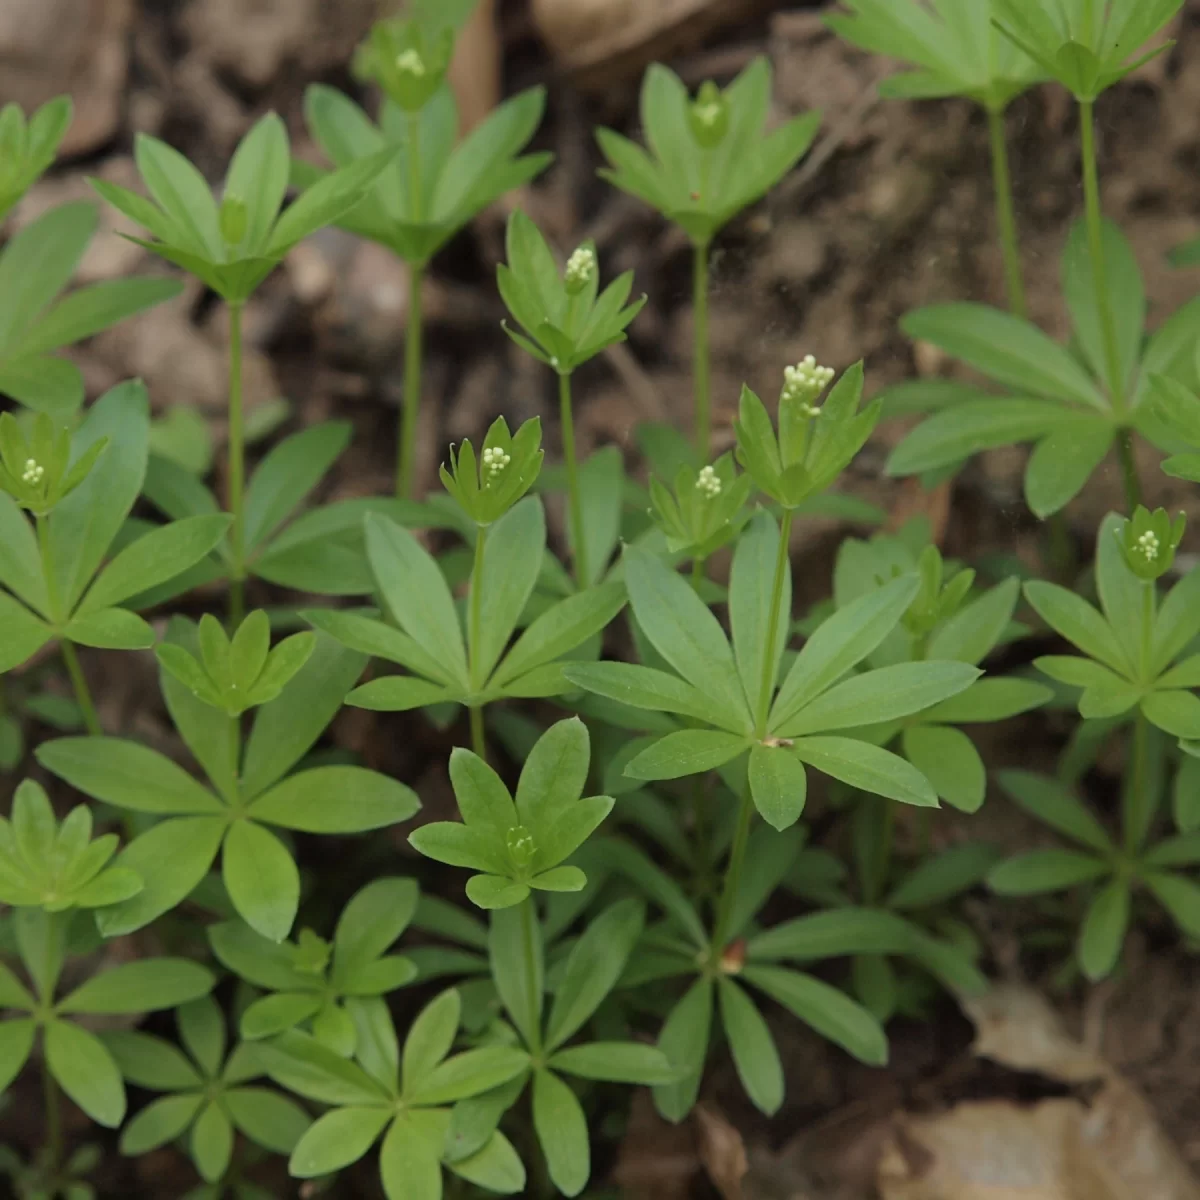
58 866
954 49
708 157
234 245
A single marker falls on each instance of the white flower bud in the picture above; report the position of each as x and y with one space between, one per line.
1148 545
708 482
411 63
804 382
581 266
495 460
33 471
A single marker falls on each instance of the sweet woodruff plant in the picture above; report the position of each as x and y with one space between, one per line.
625 888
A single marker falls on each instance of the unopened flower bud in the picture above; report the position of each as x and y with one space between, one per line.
804 382
581 269
495 460
708 482
708 116
1148 541
521 845
411 63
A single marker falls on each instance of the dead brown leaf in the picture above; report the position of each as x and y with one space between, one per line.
600 41
1104 1144
78 46
475 70
656 1160
722 1152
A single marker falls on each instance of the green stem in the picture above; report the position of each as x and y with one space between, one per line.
1137 803
1149 610
733 874
875 845
237 471
410 412
697 572
741 835
478 742
1006 219
767 685
528 939
574 499
83 695
414 331
475 613
235 750
1129 475
702 414
52 1151
1095 235
474 641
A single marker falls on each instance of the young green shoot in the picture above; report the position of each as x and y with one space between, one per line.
435 185
708 158
566 321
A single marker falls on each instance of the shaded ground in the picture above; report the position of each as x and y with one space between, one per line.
891 211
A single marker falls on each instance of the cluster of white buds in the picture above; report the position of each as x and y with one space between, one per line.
708 114
581 266
411 63
708 482
495 460
804 382
1148 545
34 472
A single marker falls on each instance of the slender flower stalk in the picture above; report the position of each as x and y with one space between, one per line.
475 617
1006 219
574 497
83 695
533 982
236 482
741 836
410 412
1108 325
702 411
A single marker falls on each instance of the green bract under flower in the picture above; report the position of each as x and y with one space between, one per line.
709 158
705 510
1087 45
47 865
27 148
566 317
508 465
239 674
708 117
954 44
938 599
1135 652
408 61
1149 540
813 445
35 465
